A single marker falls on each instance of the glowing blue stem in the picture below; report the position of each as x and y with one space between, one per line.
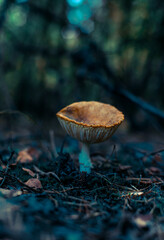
84 159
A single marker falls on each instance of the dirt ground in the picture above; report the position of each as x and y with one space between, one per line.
45 197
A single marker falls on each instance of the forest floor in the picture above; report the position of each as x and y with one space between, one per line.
43 197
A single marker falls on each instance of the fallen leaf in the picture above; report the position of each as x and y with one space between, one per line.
143 220
31 173
34 183
24 156
28 155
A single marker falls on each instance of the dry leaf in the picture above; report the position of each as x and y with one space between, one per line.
24 156
143 220
28 155
31 173
34 183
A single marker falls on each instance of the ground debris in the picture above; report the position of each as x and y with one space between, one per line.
47 196
34 183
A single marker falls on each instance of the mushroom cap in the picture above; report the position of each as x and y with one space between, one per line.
90 122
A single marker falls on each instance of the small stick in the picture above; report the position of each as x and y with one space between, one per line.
7 168
143 180
154 153
66 196
52 174
80 204
54 201
62 146
78 199
53 145
113 184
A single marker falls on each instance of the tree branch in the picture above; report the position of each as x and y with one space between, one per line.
126 94
115 89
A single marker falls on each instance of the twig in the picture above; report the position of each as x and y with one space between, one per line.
100 188
62 146
7 168
78 199
152 153
143 180
67 196
54 201
80 204
113 184
70 189
53 145
64 190
48 174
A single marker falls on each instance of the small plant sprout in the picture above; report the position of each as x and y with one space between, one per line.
89 122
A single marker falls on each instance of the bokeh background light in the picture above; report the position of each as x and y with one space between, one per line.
75 3
47 49
80 13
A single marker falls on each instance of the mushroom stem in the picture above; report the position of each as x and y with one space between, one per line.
84 159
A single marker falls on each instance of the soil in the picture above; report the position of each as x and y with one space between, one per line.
43 196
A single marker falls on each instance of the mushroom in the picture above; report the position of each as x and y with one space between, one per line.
89 122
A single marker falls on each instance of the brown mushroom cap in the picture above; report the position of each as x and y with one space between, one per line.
90 122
